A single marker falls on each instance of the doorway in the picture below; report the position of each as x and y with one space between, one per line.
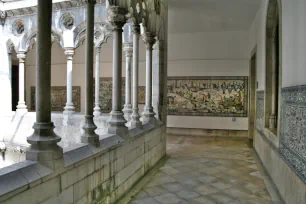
15 87
252 95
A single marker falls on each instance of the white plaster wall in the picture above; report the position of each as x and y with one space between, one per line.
257 35
293 42
208 54
59 74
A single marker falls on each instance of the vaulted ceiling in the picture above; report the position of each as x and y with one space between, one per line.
188 16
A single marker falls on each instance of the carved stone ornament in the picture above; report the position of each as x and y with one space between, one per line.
157 6
18 27
67 21
3 16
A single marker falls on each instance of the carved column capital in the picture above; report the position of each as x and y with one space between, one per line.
69 54
148 39
3 16
98 49
128 49
117 17
90 1
21 56
136 29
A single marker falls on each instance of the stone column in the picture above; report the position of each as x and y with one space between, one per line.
128 48
69 108
44 147
135 122
117 121
148 114
89 135
274 92
97 109
21 107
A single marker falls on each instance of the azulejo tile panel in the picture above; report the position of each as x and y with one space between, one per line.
293 128
59 98
208 96
260 110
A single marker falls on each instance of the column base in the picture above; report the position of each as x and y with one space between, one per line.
97 111
69 109
89 136
148 116
68 114
44 147
116 124
127 110
135 119
22 108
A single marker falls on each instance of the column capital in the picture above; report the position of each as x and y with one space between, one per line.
21 56
128 49
69 54
90 1
117 17
136 29
98 49
148 39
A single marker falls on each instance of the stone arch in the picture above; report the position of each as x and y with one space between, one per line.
273 65
101 34
10 45
30 41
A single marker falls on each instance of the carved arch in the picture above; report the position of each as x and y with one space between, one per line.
273 65
101 34
10 46
56 37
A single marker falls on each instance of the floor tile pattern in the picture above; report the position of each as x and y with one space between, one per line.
209 171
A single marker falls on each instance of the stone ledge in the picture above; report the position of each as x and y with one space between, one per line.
17 179
23 174
207 132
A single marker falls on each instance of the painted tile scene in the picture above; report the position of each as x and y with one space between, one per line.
208 96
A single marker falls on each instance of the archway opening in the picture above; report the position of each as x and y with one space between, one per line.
273 58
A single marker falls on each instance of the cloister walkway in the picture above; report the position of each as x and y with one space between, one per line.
210 171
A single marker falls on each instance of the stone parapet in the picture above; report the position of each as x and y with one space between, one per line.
90 174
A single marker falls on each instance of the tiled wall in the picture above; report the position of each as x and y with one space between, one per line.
293 128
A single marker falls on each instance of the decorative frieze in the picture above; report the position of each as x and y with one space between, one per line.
293 128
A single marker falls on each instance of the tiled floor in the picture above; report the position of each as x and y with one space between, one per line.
210 171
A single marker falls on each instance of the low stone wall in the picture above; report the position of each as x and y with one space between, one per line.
207 132
86 174
290 186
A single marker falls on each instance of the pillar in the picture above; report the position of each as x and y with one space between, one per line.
43 142
148 114
89 135
97 109
128 49
135 118
21 107
69 108
117 120
274 91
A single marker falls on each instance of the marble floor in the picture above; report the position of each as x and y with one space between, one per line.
210 171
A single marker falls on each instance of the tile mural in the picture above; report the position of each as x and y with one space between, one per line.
59 98
293 128
105 95
208 96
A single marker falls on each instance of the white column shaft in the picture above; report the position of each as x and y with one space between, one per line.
69 81
128 80
148 78
21 102
97 81
21 83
